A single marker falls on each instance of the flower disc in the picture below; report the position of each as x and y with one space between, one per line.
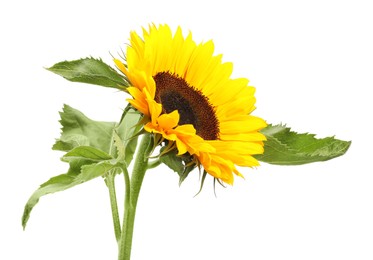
174 93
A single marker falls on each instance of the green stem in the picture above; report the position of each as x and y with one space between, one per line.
132 195
110 182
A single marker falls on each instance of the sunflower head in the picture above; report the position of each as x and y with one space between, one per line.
190 101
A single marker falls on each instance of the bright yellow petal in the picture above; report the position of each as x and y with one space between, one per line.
120 66
169 121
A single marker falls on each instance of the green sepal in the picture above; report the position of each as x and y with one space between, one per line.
92 71
285 147
204 174
185 173
182 164
173 161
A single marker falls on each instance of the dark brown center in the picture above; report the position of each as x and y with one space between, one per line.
174 93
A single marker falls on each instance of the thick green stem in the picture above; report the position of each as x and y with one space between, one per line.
139 169
110 182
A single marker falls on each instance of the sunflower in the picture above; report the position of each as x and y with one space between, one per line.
189 99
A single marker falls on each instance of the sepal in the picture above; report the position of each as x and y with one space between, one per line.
181 164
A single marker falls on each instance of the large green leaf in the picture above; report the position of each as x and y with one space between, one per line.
285 147
92 71
66 181
79 130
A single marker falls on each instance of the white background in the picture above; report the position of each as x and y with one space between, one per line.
311 62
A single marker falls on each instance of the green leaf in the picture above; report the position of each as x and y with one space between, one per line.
79 130
90 151
66 181
92 71
285 147
121 148
87 152
127 134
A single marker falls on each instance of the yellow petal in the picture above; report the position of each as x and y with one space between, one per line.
120 66
169 121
